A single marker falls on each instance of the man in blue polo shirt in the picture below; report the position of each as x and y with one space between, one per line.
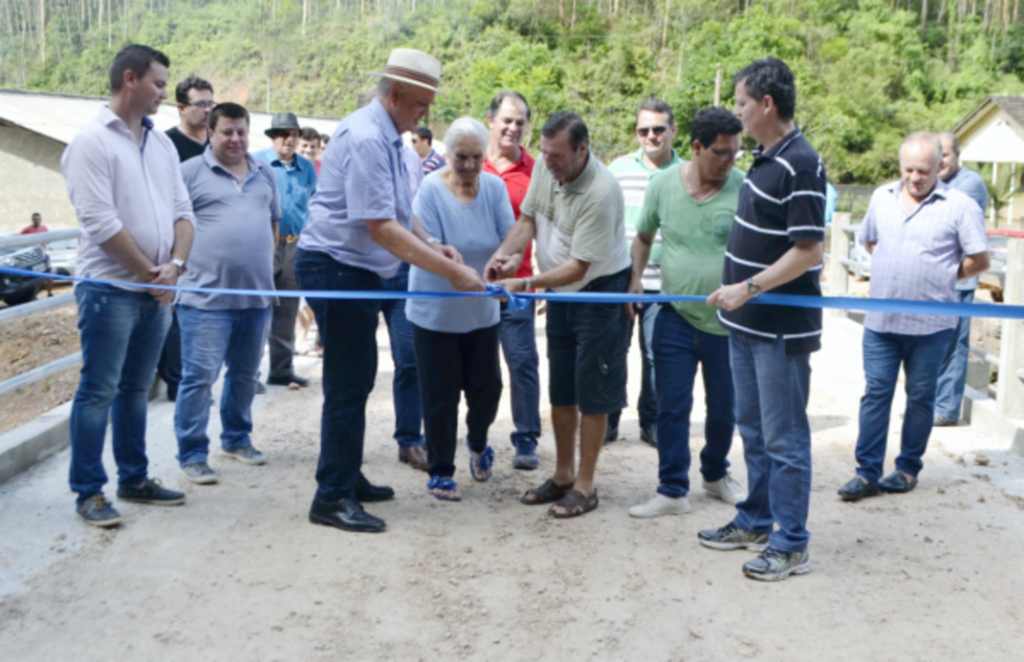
361 229
776 243
296 182
237 210
953 373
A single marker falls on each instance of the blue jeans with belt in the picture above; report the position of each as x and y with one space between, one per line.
349 331
122 335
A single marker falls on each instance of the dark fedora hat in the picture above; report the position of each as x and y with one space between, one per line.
282 122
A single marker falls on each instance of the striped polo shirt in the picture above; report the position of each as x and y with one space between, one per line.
782 202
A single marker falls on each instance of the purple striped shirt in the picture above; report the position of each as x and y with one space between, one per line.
917 255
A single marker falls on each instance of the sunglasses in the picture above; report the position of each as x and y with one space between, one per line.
642 131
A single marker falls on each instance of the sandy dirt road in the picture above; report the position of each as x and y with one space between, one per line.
238 573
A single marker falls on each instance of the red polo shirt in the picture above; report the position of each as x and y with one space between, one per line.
517 180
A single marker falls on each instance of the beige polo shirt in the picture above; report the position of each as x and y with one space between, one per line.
584 220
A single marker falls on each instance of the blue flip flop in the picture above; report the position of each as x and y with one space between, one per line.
445 485
480 468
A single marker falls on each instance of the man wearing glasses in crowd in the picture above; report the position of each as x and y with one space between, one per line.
190 137
655 131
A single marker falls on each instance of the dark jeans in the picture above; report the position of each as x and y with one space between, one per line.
122 333
678 349
405 388
452 364
771 390
953 371
647 405
169 367
349 328
282 324
920 357
519 343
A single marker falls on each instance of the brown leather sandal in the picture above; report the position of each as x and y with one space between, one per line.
575 503
548 492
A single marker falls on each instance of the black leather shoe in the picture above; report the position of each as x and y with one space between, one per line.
367 492
649 434
287 380
344 514
857 489
897 483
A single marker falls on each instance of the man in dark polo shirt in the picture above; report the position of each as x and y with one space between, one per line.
776 244
190 137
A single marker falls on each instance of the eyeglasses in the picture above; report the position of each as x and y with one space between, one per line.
642 131
723 154
202 104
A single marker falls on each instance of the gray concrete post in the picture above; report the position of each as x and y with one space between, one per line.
839 249
1010 388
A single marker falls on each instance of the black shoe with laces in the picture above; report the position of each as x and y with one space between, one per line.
152 492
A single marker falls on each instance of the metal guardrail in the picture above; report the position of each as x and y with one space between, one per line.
22 240
24 310
40 373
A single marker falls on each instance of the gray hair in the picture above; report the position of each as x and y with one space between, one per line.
953 139
925 138
384 86
467 127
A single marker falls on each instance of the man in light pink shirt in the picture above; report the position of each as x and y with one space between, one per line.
137 227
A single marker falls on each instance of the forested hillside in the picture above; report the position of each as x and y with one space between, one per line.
868 71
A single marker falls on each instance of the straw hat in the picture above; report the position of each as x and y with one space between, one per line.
408 65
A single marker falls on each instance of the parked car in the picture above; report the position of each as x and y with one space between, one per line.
62 256
21 289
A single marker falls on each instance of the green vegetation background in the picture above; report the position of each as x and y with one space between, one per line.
868 71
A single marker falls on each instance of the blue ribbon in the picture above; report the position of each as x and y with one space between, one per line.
521 300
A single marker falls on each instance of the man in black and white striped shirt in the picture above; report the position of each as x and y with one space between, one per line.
776 244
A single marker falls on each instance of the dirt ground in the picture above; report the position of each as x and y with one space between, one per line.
239 573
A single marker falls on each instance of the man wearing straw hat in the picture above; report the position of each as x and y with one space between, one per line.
360 230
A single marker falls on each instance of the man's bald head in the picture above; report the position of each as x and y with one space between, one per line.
920 158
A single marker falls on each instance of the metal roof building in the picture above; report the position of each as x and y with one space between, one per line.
34 129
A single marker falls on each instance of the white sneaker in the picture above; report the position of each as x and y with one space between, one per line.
659 505
727 489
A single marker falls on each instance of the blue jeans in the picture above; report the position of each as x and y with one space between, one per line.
349 331
210 339
771 390
920 357
678 349
647 405
519 344
122 335
953 371
405 387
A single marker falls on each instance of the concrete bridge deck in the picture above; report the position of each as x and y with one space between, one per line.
239 573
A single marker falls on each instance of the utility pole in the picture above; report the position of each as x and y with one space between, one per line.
718 84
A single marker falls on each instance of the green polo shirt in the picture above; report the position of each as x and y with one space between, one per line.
633 175
694 235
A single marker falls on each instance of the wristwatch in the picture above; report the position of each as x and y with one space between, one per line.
527 284
753 289
180 264
433 240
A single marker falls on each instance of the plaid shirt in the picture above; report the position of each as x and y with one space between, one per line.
917 255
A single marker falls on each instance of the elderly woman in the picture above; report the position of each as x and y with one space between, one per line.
456 339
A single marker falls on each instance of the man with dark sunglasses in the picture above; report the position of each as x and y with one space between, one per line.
655 131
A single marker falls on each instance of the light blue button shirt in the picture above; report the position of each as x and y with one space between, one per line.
917 255
296 182
476 231
363 177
